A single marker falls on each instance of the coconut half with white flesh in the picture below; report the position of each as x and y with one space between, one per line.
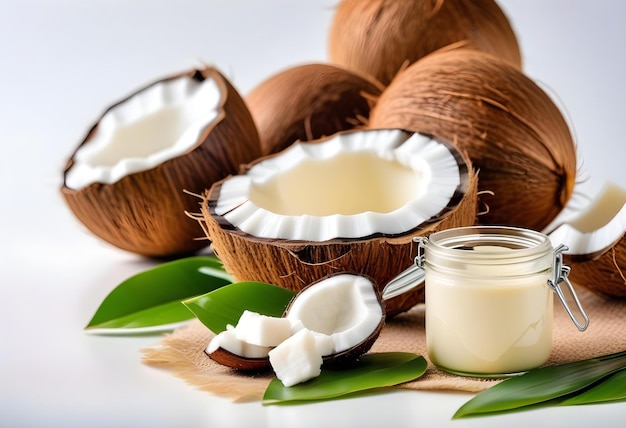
127 182
331 321
349 202
596 241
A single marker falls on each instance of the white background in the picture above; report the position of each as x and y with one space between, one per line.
64 61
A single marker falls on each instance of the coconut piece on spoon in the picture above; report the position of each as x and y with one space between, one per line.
349 202
127 180
596 241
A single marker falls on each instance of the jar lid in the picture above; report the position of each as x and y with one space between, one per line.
525 250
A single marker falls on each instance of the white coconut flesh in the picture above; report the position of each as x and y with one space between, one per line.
229 341
344 307
354 184
596 228
155 125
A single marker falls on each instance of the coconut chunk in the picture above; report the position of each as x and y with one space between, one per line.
324 342
297 359
229 341
262 330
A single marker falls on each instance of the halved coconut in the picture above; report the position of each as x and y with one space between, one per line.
126 182
349 202
309 101
596 241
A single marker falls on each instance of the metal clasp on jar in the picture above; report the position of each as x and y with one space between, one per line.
560 274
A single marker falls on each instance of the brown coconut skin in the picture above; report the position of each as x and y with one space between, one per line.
604 273
513 132
237 362
309 101
145 212
380 37
295 264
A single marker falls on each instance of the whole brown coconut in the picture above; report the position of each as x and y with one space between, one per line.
379 37
309 101
513 132
144 212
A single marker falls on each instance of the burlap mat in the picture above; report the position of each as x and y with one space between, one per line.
181 352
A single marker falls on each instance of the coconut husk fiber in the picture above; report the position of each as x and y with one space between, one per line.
182 351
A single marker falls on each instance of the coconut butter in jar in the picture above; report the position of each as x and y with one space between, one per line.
489 299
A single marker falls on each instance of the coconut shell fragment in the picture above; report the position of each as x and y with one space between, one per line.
309 101
229 359
511 129
596 243
143 211
380 37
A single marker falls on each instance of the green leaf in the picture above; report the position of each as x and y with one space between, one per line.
151 300
224 306
157 318
542 384
370 371
613 388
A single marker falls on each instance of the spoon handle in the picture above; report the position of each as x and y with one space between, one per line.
408 279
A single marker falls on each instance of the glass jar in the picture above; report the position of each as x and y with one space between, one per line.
489 298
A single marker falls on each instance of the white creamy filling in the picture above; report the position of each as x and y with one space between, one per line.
157 124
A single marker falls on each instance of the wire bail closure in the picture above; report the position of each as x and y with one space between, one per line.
560 274
420 258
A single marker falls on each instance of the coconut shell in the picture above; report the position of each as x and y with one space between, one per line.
513 132
296 264
250 365
380 37
309 101
604 274
144 212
